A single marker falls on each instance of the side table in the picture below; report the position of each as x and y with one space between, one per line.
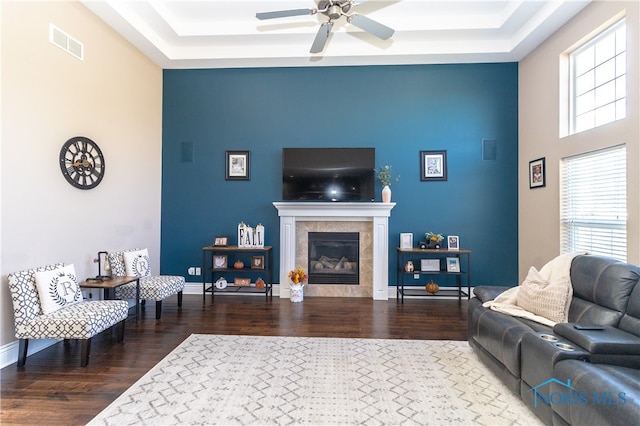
108 284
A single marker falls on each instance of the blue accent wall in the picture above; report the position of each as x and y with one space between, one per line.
399 110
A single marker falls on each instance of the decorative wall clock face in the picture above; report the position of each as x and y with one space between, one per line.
82 162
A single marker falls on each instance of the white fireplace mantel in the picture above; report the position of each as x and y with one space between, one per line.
378 213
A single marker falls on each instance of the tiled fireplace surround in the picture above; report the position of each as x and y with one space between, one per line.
370 220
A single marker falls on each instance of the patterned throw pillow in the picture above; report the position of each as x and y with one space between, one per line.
57 288
547 299
136 263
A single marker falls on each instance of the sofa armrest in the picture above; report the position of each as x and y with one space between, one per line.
486 293
606 340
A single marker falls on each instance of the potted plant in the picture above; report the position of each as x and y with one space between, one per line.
385 177
298 278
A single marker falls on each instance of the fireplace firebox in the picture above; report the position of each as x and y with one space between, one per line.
334 258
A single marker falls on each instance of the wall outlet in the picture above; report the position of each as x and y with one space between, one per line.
198 271
416 276
193 270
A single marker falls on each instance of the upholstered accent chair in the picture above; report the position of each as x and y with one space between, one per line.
41 311
135 262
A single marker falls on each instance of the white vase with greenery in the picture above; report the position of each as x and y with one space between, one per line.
385 177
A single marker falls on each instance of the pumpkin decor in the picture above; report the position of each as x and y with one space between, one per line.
432 287
239 264
260 283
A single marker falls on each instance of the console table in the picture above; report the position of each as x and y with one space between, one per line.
217 261
441 256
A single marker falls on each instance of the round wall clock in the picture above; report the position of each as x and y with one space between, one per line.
82 162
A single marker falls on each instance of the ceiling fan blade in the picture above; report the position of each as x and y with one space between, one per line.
321 37
373 27
285 13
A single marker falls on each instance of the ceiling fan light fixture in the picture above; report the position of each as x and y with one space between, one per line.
333 9
334 12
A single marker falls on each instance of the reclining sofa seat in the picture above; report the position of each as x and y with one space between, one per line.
605 292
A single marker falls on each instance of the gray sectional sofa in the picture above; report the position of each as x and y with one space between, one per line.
582 372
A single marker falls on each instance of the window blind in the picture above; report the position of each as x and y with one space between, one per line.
593 203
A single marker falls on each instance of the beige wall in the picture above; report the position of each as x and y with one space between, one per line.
114 97
539 112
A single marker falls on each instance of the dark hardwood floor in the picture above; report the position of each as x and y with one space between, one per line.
52 389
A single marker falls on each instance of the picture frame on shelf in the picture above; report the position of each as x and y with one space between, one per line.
537 173
453 242
220 241
433 165
429 265
237 165
242 282
406 240
257 262
453 264
219 261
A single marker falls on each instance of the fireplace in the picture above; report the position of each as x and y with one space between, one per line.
333 257
371 220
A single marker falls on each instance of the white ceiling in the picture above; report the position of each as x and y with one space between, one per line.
226 34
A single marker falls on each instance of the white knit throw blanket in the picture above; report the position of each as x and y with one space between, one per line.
554 271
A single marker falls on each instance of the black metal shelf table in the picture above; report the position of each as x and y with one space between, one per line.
417 287
211 267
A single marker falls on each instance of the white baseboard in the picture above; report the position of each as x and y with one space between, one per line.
9 352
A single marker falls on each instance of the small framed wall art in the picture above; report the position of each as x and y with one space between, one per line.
453 242
220 241
406 240
433 165
257 262
237 165
453 264
242 282
429 265
219 262
537 172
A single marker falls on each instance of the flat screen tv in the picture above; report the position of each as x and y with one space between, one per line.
328 174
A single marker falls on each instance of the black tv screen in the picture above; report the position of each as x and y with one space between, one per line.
328 174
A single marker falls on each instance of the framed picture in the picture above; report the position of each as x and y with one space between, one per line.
453 242
433 165
453 264
237 165
257 262
220 261
429 265
220 241
406 240
242 282
537 172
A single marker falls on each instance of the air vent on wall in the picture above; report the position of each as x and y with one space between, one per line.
65 42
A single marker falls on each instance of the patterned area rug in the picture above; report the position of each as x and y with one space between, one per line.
241 380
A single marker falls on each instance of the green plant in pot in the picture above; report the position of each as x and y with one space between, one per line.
386 177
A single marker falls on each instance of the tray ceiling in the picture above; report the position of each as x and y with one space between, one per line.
226 34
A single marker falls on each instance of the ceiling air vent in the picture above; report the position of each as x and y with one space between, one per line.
65 42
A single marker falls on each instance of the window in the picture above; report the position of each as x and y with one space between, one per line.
598 79
593 203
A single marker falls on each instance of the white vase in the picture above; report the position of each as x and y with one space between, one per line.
386 194
296 292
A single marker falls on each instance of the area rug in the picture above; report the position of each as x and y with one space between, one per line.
260 380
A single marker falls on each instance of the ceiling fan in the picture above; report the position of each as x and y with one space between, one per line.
334 9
